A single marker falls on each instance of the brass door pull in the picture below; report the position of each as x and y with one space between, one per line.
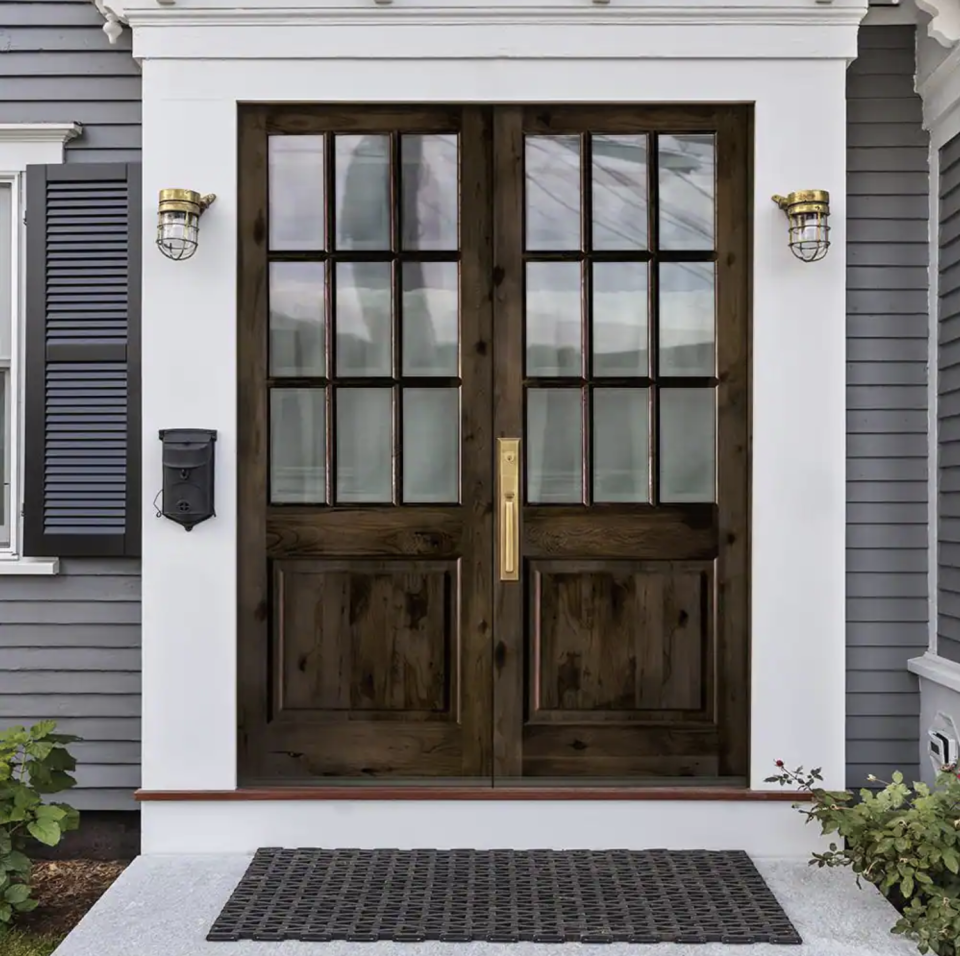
508 479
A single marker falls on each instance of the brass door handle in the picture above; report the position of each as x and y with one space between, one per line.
508 481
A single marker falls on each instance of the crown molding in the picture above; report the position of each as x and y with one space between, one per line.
39 132
295 13
944 25
940 91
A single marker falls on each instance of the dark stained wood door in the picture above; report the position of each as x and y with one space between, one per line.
621 313
365 430
416 284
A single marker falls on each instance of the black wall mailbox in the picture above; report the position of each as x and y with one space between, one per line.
188 475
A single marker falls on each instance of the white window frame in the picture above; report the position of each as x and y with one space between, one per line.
22 145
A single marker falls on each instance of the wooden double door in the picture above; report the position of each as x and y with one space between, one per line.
493 445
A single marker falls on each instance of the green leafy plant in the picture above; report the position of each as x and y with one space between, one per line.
33 764
906 841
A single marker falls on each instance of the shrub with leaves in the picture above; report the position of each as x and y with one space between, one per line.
33 764
906 841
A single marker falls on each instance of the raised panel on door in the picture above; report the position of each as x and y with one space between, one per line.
621 333
365 445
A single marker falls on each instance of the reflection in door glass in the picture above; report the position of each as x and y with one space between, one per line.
619 197
429 182
553 192
430 318
688 438
296 192
364 445
362 192
620 318
621 444
297 307
553 319
554 445
431 444
687 325
687 188
364 319
297 445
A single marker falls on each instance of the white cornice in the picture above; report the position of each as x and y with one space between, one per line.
39 132
944 26
323 29
294 13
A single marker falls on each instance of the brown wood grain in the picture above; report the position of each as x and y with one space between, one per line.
253 650
509 650
622 653
734 214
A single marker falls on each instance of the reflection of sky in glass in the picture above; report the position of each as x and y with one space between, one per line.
687 174
619 192
296 192
362 177
552 192
296 318
429 183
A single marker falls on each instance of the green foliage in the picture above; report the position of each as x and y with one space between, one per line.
33 763
906 841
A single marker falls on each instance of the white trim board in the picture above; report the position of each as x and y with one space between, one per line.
938 669
762 829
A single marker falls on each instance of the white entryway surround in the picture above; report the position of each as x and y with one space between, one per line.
788 57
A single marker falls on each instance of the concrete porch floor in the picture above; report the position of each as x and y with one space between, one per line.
164 905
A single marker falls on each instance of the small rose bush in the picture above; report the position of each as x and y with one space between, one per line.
906 841
33 764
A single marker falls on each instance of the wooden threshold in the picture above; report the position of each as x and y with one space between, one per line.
728 794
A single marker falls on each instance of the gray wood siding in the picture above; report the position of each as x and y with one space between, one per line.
948 405
56 65
70 652
887 427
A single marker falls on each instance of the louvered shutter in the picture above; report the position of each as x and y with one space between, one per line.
82 386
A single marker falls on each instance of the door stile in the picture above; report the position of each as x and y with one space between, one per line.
252 572
477 442
734 256
508 637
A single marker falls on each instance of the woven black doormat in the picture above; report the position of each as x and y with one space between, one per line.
504 896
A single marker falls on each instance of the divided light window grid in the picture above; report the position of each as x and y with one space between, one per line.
620 318
364 372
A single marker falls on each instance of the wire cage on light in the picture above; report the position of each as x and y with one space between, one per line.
808 213
178 221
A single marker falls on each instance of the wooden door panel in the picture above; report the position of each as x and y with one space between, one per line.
622 366
366 637
620 640
365 598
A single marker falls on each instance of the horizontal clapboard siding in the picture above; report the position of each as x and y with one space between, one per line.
70 652
887 423
948 405
57 66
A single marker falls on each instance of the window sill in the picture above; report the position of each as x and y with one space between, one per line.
936 669
13 565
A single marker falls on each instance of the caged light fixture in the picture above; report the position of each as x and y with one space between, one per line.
178 221
808 213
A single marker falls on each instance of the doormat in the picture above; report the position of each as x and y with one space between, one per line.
504 896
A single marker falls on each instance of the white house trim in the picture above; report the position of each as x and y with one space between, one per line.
944 26
937 669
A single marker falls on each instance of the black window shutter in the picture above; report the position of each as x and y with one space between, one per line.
82 379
